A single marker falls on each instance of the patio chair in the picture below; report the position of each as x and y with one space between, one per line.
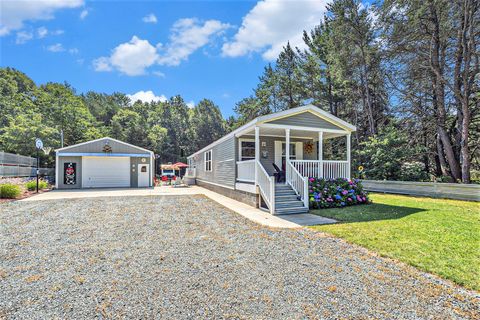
164 180
278 174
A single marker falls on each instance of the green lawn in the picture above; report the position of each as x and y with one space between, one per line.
436 235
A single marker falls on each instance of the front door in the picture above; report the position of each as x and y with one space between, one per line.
143 175
296 153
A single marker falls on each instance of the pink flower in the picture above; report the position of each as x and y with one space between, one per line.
349 199
364 199
311 179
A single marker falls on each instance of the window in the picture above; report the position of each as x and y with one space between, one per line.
247 150
208 160
293 150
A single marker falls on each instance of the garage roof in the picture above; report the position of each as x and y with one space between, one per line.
104 146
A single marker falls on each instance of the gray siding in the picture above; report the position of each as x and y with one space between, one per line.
306 119
97 146
134 162
223 164
61 162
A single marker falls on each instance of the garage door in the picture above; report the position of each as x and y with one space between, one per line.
103 172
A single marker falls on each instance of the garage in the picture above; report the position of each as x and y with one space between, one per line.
104 163
106 172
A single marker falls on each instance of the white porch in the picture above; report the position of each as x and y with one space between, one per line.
298 152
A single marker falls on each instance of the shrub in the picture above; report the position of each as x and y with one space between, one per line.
10 191
32 185
336 193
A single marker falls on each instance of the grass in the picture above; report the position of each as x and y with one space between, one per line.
435 235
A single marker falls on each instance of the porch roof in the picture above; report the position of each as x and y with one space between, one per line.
265 122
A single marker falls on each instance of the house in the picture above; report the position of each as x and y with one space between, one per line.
241 164
103 163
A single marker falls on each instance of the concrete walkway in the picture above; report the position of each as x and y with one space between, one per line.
256 215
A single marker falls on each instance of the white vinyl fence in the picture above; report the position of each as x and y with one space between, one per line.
428 189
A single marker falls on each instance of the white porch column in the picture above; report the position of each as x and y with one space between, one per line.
320 154
348 155
287 150
257 152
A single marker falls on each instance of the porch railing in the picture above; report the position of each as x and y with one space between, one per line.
333 169
328 169
266 184
297 181
246 170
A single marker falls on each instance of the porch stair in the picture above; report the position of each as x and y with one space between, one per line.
287 201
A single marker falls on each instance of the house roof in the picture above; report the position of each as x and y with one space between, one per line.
104 138
347 127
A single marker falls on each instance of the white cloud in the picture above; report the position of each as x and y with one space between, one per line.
73 51
23 36
42 32
15 13
150 18
58 47
271 23
159 74
102 64
83 14
187 36
133 57
130 58
146 96
191 104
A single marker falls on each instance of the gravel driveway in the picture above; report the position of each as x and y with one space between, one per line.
187 257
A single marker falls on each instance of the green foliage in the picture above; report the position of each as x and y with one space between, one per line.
32 185
10 191
336 193
386 156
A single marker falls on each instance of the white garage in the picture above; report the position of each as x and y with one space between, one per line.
104 163
103 172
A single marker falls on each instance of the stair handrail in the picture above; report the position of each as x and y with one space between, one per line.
266 184
298 182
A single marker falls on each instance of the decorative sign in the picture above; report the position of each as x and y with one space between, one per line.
144 160
107 148
70 173
38 143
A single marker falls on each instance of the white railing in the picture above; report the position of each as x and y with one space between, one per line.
333 169
328 169
297 181
246 171
266 184
308 168
191 172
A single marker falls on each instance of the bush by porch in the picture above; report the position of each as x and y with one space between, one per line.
335 193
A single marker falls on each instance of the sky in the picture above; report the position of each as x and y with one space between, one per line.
152 50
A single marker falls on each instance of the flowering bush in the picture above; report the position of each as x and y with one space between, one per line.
335 193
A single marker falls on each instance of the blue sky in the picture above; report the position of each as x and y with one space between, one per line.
152 49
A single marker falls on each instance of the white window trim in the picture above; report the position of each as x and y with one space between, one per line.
209 161
240 140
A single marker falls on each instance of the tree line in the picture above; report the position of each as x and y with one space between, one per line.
405 72
171 129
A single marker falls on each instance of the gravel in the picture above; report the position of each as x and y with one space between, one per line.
175 257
